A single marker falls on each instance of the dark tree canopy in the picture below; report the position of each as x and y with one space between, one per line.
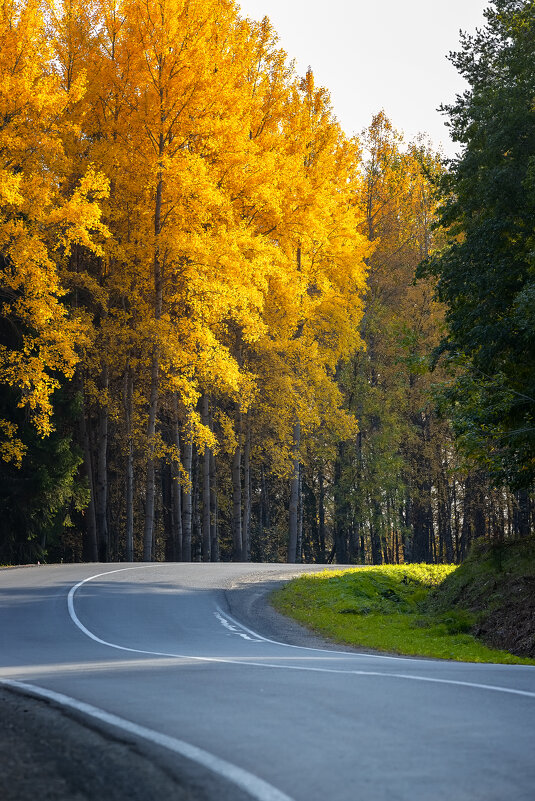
486 273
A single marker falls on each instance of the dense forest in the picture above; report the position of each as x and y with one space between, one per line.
231 332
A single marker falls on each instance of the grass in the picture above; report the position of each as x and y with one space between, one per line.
389 608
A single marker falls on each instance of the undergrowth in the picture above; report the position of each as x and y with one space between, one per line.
388 608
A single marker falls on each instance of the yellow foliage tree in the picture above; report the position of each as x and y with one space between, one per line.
38 223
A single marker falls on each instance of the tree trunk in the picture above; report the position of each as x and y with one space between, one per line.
101 507
166 480
321 517
176 490
197 524
466 529
375 533
214 510
90 550
187 503
150 481
129 549
148 534
294 498
237 497
246 526
206 523
340 510
521 515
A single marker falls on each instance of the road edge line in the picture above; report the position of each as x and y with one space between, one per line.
257 788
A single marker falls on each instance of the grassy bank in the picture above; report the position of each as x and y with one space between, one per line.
405 609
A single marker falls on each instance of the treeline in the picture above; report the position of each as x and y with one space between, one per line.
180 240
402 490
193 365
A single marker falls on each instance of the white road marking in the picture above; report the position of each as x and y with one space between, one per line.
235 627
257 788
249 663
258 636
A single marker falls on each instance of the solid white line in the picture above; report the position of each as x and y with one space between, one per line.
255 787
242 662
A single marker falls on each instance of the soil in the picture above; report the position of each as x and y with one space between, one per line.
511 626
497 583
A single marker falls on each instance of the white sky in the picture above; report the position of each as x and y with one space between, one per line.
387 54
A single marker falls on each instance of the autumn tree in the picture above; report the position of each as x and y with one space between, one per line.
42 218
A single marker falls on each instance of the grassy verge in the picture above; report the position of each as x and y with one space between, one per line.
390 608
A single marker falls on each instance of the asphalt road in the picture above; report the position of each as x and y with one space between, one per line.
183 661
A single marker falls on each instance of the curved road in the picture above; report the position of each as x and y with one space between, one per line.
173 655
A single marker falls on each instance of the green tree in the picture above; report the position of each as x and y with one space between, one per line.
41 499
486 273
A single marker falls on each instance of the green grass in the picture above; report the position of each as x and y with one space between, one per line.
387 608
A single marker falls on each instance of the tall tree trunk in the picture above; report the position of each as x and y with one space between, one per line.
466 529
340 510
294 497
129 477
148 534
187 503
353 545
264 516
166 480
299 550
90 551
197 524
456 528
206 527
237 497
101 507
214 510
446 516
311 545
246 526
375 532
176 491
521 516
321 517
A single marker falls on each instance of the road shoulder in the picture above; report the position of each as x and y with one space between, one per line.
48 754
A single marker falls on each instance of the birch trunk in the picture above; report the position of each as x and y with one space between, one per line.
148 534
294 497
206 532
196 507
214 510
176 489
91 550
101 506
150 479
299 550
246 526
129 552
237 497
187 504
321 516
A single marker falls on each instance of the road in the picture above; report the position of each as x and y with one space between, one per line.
185 659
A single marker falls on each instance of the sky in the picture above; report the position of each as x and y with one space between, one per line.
380 54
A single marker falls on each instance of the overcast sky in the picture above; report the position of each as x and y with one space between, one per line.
387 54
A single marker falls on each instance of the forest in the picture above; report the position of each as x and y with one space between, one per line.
229 331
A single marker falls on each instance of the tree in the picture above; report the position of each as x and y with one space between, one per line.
38 223
486 273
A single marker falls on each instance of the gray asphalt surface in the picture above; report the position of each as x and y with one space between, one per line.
174 649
